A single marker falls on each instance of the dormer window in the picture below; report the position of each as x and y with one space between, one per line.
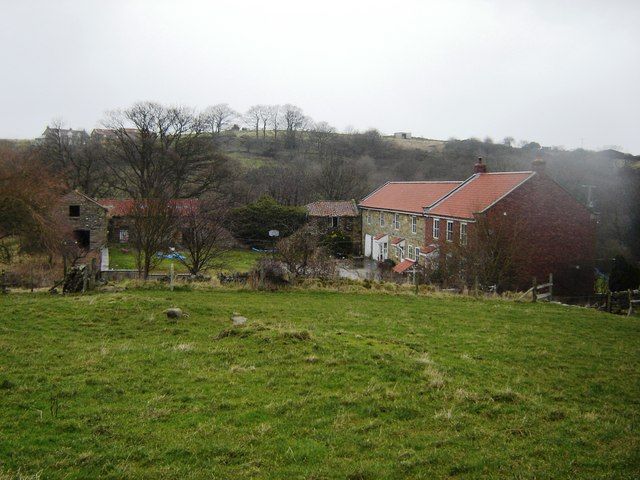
74 210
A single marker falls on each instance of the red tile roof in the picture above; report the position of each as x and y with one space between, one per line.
380 236
342 208
478 193
396 240
411 197
403 266
428 249
122 207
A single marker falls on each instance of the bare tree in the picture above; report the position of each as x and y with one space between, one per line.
302 255
294 120
154 223
338 179
204 238
156 151
253 117
76 156
273 119
219 116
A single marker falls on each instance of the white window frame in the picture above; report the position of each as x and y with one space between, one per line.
449 233
368 217
396 221
401 252
412 252
335 221
382 219
414 224
436 228
463 233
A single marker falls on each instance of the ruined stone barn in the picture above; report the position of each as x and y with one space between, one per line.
86 221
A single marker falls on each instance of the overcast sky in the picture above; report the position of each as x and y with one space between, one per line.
560 75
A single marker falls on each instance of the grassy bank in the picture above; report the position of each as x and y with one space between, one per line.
235 260
317 385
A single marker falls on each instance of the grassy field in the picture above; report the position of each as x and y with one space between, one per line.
317 385
235 260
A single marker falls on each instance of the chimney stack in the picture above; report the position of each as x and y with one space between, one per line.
479 167
538 165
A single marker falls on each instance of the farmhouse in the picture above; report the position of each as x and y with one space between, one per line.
393 222
330 216
549 231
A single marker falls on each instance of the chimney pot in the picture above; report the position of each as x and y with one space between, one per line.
538 165
479 167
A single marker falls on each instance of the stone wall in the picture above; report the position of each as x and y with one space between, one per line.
371 226
91 217
350 226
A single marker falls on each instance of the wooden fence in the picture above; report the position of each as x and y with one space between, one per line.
543 291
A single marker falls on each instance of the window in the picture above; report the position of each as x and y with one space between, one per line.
334 222
396 221
382 219
123 235
463 234
414 224
74 210
417 253
401 250
449 231
436 228
412 252
369 217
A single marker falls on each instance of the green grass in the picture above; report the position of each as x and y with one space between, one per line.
235 260
317 385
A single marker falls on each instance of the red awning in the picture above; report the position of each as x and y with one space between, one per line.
403 266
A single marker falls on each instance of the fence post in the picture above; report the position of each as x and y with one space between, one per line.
534 290
630 311
171 277
550 286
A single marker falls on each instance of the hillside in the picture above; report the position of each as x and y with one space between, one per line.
317 385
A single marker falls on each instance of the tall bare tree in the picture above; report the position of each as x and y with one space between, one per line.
273 119
253 117
219 116
204 238
158 151
76 156
294 121
154 223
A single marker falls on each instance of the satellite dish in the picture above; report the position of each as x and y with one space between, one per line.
274 233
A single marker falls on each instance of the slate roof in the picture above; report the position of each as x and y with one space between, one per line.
478 193
341 208
410 197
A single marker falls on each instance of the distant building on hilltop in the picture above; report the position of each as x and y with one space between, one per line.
402 135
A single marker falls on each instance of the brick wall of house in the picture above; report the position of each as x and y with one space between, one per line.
371 226
557 234
92 217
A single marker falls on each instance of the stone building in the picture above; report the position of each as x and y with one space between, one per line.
86 221
342 215
393 223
